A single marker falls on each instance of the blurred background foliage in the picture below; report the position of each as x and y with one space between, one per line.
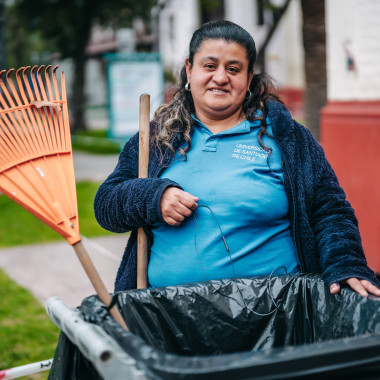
64 27
20 41
35 31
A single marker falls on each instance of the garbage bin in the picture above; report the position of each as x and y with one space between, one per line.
281 327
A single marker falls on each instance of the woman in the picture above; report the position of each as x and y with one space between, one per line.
236 187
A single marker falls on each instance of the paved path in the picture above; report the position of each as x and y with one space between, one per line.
93 167
54 270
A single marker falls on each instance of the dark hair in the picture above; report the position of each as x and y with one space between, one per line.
174 123
227 31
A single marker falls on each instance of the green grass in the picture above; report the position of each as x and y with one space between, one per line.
19 227
97 133
27 334
95 141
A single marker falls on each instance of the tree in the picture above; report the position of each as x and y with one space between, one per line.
314 42
20 42
277 13
68 24
2 44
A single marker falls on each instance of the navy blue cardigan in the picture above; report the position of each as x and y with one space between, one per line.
323 224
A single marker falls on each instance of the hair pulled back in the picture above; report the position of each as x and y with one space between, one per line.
227 31
174 123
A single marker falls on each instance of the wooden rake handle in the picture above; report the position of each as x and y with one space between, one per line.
97 282
142 241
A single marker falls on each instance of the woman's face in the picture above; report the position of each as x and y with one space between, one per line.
219 79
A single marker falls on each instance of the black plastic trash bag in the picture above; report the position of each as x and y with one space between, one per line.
261 328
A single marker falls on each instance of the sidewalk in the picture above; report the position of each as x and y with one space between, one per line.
53 269
93 167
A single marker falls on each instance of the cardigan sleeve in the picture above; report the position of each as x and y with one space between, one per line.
336 228
124 201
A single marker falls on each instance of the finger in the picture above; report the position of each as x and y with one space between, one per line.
173 196
189 200
171 221
193 205
176 210
356 285
334 288
175 215
191 196
183 210
370 287
172 206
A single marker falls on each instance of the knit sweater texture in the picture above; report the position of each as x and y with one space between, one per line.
323 224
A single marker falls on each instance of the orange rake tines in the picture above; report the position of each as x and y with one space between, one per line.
36 163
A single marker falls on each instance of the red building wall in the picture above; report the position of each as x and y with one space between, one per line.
350 135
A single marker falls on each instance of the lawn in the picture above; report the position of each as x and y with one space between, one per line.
95 141
19 227
27 334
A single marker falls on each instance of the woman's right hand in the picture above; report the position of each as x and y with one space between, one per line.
176 205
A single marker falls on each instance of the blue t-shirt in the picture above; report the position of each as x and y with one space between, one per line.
229 172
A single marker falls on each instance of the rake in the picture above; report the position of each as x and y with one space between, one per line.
36 162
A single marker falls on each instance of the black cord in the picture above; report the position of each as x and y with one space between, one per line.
233 270
112 303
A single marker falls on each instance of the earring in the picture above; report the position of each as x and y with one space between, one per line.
187 86
248 94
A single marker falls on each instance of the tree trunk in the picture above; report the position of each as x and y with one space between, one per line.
3 55
260 61
314 41
78 101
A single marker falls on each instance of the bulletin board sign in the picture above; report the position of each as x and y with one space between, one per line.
128 76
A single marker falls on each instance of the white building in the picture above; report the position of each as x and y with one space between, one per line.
353 32
284 56
350 122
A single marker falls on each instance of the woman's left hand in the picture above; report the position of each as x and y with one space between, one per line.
362 287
